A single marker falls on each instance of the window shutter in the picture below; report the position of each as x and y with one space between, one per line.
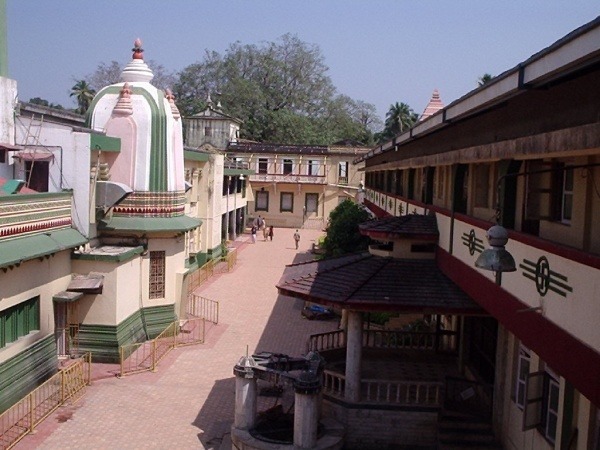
534 396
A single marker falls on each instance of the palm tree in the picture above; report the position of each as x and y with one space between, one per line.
484 79
400 117
84 95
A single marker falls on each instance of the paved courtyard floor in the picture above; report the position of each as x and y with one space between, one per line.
189 402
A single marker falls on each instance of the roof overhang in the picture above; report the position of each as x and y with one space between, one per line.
15 251
87 284
364 282
34 154
149 224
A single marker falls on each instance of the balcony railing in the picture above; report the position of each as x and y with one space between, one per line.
288 178
343 181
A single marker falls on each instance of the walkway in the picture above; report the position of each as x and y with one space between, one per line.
189 402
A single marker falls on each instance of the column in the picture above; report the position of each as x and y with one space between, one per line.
245 394
306 410
353 356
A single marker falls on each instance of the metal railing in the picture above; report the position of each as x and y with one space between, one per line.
390 392
218 265
22 418
67 340
203 307
145 356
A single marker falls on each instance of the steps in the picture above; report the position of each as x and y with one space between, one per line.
464 431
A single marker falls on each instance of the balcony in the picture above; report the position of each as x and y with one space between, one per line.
288 178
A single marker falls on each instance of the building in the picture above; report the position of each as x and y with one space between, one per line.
530 363
218 194
299 185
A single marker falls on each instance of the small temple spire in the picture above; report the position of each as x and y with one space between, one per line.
137 70
124 106
171 98
435 104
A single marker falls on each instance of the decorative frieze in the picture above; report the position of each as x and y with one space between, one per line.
152 204
25 216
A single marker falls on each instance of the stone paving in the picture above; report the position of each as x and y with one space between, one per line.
189 402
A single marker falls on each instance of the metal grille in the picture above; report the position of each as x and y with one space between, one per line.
157 274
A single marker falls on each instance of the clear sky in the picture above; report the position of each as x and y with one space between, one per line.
378 51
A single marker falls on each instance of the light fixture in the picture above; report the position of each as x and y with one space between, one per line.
241 177
496 258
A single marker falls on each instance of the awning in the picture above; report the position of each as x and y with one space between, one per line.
11 147
35 154
149 224
67 297
87 284
15 251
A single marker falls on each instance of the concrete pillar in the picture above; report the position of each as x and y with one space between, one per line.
245 394
354 338
306 410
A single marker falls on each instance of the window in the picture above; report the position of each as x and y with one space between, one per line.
399 181
523 364
312 204
482 185
286 202
263 164
567 196
542 396
19 320
2 156
207 131
262 201
37 174
288 166
313 167
343 172
157 274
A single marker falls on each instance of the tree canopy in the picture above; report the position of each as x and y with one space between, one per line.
110 73
44 102
484 79
343 235
399 118
280 90
83 94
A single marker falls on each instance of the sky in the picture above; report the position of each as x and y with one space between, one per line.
377 51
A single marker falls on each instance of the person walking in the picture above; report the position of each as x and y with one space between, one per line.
265 230
297 238
253 232
271 233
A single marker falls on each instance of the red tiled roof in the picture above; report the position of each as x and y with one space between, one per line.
413 226
365 283
24 190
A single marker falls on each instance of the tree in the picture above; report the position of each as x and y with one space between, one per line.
343 235
280 90
110 73
399 118
484 79
43 102
84 95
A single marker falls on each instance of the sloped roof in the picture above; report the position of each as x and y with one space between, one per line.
413 226
364 282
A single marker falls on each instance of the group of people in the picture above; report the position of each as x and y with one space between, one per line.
260 224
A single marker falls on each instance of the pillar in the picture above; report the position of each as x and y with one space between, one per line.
353 356
245 394
306 410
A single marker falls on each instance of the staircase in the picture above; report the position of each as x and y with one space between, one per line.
460 431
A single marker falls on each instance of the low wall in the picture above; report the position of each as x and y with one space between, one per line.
375 428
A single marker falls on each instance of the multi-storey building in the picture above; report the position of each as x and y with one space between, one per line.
521 152
299 185
218 184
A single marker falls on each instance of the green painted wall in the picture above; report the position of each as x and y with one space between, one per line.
104 340
24 372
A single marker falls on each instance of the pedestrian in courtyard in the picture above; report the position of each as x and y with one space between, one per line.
253 233
271 233
265 230
297 238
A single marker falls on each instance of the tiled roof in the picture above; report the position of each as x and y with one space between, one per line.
23 190
413 226
365 282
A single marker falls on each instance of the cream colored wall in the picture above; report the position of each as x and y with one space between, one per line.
402 249
100 309
32 278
